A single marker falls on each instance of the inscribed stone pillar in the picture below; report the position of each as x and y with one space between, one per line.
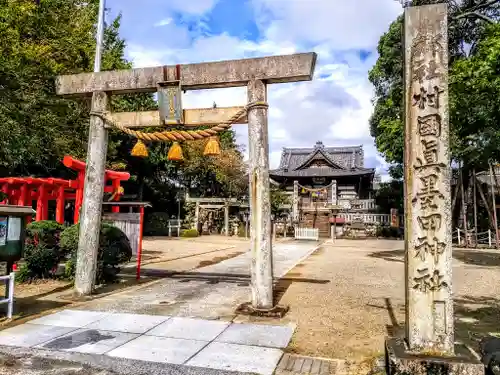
295 202
260 202
429 304
334 192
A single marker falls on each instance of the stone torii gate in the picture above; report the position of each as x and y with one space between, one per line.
254 73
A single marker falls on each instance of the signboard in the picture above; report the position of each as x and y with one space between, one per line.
394 218
14 229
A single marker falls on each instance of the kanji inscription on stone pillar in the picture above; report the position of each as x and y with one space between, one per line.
429 303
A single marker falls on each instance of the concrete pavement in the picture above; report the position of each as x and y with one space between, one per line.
182 325
161 339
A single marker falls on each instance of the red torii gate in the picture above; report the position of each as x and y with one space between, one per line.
22 191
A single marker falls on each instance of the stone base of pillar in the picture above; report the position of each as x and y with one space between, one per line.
399 361
276 312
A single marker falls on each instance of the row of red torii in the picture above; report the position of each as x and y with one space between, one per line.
22 191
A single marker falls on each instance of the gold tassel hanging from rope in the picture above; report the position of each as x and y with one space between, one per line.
175 152
212 148
140 150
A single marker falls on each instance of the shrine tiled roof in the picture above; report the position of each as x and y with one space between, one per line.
322 172
336 161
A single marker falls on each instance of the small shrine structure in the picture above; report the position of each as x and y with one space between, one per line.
22 191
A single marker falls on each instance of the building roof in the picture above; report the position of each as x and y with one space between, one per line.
338 161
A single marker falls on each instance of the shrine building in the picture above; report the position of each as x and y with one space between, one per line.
320 177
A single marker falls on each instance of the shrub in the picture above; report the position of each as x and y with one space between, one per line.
189 233
45 232
42 252
156 224
23 274
40 261
114 249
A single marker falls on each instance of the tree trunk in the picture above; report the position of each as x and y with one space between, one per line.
457 187
464 208
493 202
486 204
474 182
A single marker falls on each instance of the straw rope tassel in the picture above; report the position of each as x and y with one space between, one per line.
140 150
212 148
175 152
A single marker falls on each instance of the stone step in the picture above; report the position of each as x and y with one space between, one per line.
291 364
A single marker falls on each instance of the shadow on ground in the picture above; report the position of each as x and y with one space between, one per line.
477 257
472 257
25 307
475 319
124 281
390 256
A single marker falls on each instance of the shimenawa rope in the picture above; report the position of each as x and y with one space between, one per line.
181 135
316 189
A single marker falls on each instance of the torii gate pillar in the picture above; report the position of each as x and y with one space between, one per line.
254 73
260 201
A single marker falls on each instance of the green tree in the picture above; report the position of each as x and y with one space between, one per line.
37 127
278 199
37 43
390 195
469 21
475 102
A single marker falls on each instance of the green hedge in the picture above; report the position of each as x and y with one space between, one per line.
114 249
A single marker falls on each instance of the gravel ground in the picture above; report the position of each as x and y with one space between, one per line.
28 365
356 297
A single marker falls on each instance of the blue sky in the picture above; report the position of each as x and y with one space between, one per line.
334 107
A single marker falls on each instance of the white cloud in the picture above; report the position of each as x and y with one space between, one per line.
342 24
334 107
163 22
193 7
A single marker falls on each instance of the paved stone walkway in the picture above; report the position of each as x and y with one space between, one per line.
205 292
285 256
245 348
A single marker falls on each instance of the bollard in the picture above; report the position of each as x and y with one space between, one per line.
489 237
10 306
458 234
9 293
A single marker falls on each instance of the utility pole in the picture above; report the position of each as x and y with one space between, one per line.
90 218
